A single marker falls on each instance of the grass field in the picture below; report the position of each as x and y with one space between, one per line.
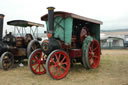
113 70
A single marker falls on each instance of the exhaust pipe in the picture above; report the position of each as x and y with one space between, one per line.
1 25
51 19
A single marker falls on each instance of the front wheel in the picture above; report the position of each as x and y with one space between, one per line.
36 62
6 60
58 64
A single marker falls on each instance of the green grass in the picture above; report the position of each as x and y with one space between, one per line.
113 70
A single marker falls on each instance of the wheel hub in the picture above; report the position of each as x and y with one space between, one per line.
59 64
6 60
6 57
93 53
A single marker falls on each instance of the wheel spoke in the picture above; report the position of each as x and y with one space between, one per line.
43 67
36 67
63 68
57 58
64 63
54 69
57 72
53 61
33 48
95 49
36 57
60 71
39 67
36 61
52 66
63 59
34 64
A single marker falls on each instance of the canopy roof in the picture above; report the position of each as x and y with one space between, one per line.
24 23
67 14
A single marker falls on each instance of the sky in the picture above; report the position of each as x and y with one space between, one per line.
113 13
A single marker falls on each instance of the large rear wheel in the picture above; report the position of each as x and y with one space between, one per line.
58 64
34 44
92 57
36 62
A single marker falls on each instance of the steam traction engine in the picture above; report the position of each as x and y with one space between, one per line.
16 47
70 37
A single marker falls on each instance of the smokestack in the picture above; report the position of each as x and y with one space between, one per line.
1 26
51 18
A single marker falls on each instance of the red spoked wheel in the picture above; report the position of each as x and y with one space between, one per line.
37 61
58 64
93 53
92 57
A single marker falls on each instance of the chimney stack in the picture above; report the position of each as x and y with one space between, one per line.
51 19
1 25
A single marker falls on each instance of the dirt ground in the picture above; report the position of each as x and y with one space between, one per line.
113 70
